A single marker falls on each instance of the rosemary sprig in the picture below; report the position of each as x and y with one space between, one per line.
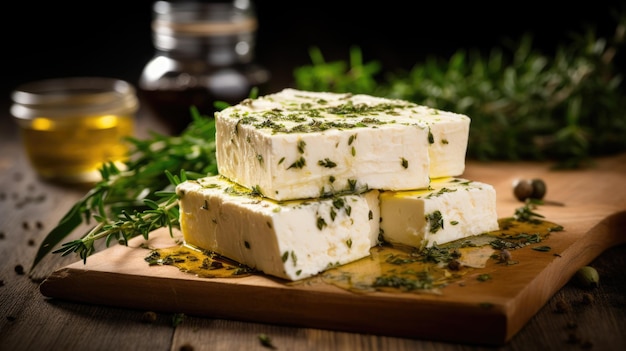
527 212
139 197
567 107
158 215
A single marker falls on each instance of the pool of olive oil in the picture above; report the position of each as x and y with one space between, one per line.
73 149
389 268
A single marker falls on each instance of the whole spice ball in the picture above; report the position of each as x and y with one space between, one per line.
454 265
522 189
149 317
539 188
587 299
561 306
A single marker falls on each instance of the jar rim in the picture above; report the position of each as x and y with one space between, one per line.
71 96
204 18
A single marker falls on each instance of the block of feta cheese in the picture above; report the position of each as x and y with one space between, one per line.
297 144
450 209
290 240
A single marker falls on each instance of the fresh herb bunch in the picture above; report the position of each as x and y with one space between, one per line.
567 107
140 197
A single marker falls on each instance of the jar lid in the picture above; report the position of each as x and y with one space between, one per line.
75 96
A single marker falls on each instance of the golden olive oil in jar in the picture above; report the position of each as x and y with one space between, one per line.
70 127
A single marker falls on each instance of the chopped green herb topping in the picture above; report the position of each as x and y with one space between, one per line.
404 162
327 163
483 277
299 163
423 280
333 213
526 213
301 145
440 192
352 184
338 202
542 248
435 220
351 139
256 191
321 223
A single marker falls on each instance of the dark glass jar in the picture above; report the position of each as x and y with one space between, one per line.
204 53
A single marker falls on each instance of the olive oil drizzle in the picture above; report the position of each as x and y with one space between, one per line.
202 263
389 268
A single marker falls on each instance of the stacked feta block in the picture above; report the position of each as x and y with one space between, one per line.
311 180
291 239
297 144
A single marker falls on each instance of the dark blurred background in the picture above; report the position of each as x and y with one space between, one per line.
113 38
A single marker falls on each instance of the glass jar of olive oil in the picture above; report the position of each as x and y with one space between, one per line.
71 126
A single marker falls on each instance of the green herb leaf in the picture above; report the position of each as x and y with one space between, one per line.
542 248
266 341
69 222
177 319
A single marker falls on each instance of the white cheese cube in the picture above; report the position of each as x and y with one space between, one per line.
296 144
451 209
291 240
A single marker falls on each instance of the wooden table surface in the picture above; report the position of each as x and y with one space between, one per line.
30 207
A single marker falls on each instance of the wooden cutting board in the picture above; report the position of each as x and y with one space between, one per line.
491 312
